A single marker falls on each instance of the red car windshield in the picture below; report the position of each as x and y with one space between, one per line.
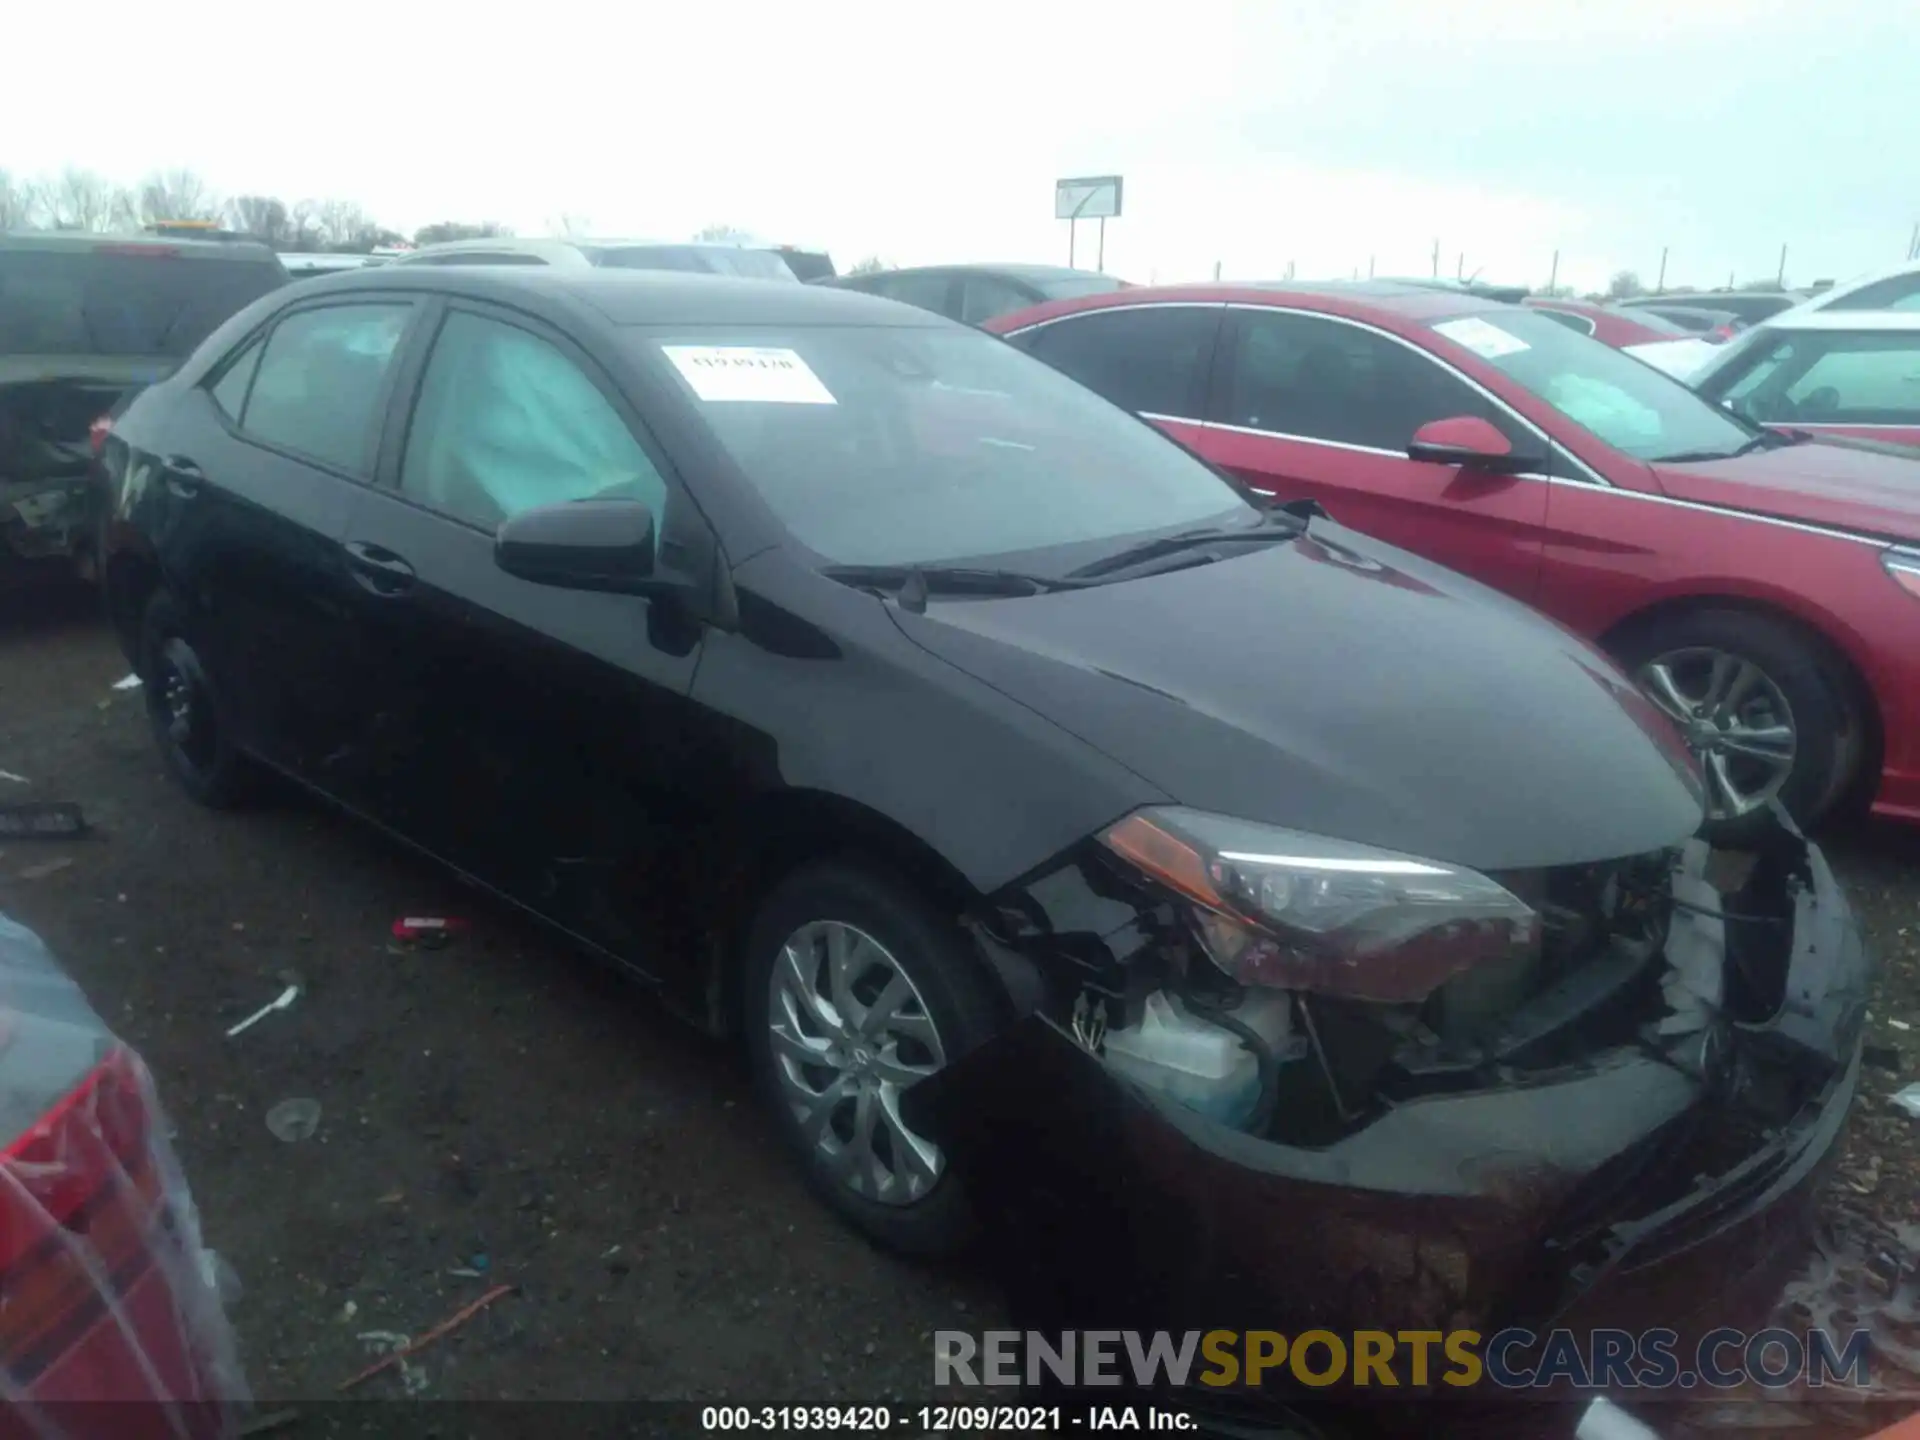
1621 400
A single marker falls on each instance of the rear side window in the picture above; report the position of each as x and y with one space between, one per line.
139 300
507 422
928 292
982 298
1150 359
230 390
320 382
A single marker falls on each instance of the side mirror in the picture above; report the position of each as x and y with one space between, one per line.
580 545
1470 443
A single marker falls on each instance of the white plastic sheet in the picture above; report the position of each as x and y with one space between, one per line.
110 1320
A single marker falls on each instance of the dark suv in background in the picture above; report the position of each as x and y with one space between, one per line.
84 319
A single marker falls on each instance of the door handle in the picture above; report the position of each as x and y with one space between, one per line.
378 570
184 478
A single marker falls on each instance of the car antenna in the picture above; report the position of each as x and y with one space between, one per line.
912 594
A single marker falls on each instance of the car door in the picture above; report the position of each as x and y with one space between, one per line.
1306 405
534 737
246 493
1154 359
1864 384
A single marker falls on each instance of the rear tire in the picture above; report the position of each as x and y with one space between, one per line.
1730 678
811 1036
186 712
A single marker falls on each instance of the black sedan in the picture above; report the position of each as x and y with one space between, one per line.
975 294
881 694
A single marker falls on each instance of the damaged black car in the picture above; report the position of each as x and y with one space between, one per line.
1269 925
84 319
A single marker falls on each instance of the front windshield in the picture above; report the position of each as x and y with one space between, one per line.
1623 401
927 446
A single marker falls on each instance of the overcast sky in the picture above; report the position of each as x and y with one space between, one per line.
1330 134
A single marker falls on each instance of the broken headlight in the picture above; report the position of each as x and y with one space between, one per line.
1280 908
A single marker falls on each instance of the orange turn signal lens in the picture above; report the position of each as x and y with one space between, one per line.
1165 857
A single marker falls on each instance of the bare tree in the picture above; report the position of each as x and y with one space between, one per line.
444 230
343 223
305 229
872 265
176 195
571 225
19 202
1624 286
713 233
262 216
79 199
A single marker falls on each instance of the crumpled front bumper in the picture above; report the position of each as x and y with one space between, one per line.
1624 1190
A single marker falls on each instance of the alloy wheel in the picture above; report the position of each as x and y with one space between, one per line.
1733 717
850 1034
185 710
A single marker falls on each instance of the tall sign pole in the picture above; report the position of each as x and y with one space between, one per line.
1086 197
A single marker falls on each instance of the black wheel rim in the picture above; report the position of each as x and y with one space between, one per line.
182 711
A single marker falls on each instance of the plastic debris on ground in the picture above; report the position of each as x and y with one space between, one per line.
42 820
1907 1099
428 930
16 779
401 1349
281 1002
45 868
99 1237
127 682
294 1120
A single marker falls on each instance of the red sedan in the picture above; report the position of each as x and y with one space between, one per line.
1763 589
1618 328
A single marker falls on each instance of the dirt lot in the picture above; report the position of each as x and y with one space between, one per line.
497 1105
501 1106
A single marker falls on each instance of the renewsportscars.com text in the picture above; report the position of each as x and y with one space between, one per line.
1508 1359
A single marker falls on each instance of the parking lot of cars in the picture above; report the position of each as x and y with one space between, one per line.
945 818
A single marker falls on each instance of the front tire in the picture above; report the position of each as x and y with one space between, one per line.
854 990
185 712
1761 707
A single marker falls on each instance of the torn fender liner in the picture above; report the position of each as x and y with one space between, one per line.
106 1292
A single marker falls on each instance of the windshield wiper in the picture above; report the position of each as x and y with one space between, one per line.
1766 440
912 584
1275 525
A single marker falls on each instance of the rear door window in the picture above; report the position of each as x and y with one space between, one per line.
1897 292
321 382
144 300
230 390
1150 359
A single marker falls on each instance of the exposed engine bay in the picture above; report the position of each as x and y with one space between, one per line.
46 432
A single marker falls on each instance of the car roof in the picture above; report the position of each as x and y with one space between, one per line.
1356 299
1017 270
192 247
1825 298
1894 321
641 297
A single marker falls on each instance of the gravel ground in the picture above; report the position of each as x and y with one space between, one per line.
501 1106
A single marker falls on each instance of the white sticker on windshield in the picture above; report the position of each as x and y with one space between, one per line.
1486 340
748 372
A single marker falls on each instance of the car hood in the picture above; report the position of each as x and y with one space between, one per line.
1338 686
1851 487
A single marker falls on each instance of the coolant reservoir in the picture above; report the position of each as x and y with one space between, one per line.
1189 1059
